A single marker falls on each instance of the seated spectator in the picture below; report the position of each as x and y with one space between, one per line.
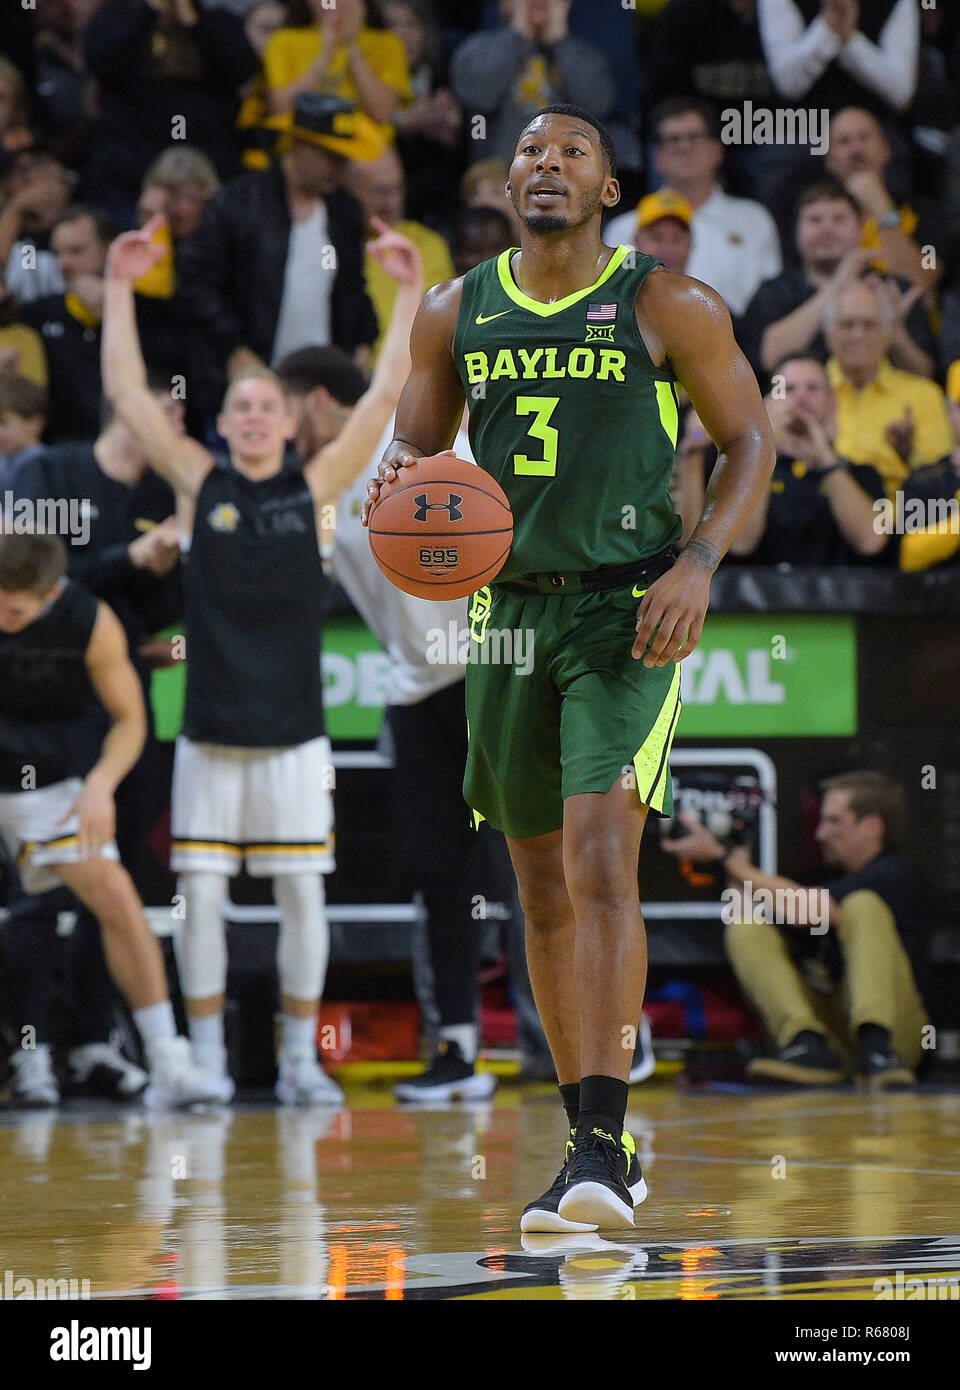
482 234
836 53
663 229
378 186
938 541
484 185
69 325
845 999
15 133
178 185
894 420
23 418
430 136
735 243
277 260
65 100
21 348
819 509
36 191
785 316
858 157
162 66
532 61
333 50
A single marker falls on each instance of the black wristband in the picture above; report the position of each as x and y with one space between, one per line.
834 468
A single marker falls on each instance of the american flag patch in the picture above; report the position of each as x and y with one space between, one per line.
601 313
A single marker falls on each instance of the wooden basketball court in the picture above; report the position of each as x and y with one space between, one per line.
752 1196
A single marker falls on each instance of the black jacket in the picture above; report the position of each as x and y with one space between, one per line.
230 274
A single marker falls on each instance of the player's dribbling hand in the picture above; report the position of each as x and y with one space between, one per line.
386 473
671 613
95 812
397 254
134 253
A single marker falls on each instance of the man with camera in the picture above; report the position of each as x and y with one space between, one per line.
830 968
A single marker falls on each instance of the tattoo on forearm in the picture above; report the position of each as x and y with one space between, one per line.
705 553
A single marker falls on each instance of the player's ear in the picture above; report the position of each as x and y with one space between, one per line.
610 196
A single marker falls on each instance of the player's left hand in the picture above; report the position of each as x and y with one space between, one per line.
95 811
671 613
397 254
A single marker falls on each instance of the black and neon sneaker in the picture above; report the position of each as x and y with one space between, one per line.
604 1180
449 1077
543 1214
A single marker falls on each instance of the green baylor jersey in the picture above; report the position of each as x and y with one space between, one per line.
569 414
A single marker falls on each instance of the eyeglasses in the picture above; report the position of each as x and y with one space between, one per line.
691 138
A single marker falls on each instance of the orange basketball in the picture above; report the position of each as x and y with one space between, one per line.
442 530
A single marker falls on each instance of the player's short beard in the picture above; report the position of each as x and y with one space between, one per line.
544 222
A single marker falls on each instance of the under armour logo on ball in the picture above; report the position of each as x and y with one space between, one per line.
452 506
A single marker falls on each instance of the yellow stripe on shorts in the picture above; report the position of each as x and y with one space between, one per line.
650 761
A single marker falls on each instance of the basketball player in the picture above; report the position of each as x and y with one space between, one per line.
56 642
569 353
252 769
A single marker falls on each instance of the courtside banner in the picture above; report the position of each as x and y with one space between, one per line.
755 675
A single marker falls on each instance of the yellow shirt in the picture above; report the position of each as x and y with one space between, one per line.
437 266
29 344
863 416
290 52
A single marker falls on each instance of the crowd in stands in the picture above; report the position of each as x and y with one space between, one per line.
832 232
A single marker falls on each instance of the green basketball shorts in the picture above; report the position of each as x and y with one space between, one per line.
557 706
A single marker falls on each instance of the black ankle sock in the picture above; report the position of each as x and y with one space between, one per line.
570 1095
871 1035
603 1103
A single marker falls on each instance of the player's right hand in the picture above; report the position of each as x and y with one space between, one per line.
386 473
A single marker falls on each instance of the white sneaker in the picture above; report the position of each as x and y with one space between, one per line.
102 1069
176 1084
302 1081
644 1062
34 1083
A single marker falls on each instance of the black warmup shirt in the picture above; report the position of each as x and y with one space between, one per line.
801 529
898 880
255 598
112 514
44 690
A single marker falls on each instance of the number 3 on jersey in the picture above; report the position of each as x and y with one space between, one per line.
542 407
